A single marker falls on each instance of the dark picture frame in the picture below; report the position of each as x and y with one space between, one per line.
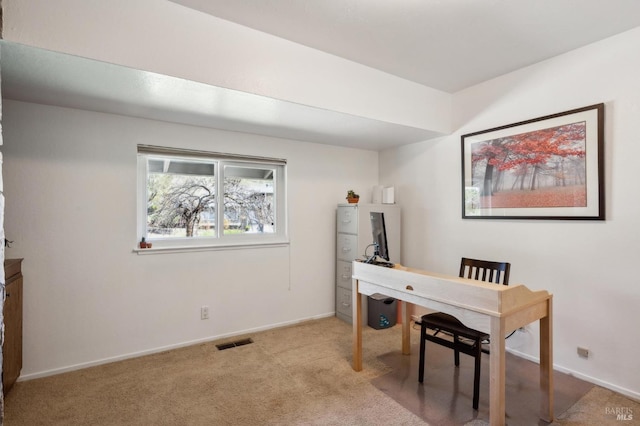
550 167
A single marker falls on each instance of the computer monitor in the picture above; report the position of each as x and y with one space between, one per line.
379 233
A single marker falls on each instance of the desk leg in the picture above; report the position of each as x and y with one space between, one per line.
546 365
356 303
497 373
406 328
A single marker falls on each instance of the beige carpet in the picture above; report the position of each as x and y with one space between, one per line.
298 375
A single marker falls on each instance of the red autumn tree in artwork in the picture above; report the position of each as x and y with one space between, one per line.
544 168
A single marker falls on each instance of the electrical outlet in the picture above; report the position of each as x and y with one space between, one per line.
204 312
583 352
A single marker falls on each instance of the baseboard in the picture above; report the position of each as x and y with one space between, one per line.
102 361
623 391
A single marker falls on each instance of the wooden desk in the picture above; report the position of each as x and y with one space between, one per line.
491 308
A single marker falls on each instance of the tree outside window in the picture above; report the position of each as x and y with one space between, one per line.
182 199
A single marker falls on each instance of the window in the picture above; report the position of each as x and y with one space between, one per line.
195 199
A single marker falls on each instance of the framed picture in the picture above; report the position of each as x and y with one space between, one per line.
547 168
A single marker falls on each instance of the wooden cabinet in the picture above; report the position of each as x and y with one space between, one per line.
12 345
353 237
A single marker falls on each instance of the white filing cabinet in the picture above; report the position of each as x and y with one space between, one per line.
353 236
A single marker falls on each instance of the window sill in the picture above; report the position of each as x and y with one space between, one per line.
216 247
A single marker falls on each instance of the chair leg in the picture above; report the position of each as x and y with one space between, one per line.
456 352
476 375
423 330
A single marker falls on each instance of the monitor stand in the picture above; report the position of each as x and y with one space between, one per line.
373 259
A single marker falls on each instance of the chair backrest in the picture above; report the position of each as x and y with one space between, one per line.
485 270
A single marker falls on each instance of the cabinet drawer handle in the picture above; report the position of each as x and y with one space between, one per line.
346 305
346 249
344 277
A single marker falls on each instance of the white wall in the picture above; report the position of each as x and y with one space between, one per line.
70 185
590 267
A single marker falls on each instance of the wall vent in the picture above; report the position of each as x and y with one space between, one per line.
229 345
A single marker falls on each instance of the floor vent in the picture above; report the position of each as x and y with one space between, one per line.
229 345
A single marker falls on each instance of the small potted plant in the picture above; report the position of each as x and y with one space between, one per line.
352 197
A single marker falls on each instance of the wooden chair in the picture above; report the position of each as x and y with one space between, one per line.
471 344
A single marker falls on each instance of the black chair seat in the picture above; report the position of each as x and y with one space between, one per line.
450 324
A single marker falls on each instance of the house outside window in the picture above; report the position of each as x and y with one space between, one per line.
198 199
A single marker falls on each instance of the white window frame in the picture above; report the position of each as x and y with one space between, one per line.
220 241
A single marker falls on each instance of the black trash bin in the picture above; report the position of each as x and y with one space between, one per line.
383 311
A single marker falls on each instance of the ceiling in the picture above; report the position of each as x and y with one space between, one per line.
444 44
